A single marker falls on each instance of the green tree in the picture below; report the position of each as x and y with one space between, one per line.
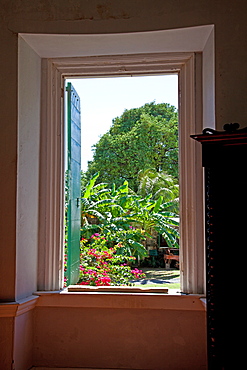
141 138
125 217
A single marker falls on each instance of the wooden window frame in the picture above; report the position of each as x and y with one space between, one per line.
188 66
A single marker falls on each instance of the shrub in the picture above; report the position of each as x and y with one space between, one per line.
102 265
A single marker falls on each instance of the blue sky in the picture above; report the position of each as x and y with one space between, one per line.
103 99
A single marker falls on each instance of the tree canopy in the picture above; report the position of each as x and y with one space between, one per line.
140 139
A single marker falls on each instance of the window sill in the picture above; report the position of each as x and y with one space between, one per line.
120 300
116 289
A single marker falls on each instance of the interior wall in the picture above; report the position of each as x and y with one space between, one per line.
6 342
8 162
120 338
208 82
98 17
27 170
23 341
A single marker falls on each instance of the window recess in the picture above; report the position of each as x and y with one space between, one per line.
188 67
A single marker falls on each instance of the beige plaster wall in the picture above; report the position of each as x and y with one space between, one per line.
104 16
8 158
23 342
120 339
6 342
120 332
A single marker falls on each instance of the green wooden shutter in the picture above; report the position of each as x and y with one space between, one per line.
74 184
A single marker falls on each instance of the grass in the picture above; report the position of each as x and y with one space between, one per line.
165 285
159 277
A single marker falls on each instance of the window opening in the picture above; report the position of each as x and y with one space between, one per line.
129 181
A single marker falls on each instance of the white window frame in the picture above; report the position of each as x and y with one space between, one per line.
188 66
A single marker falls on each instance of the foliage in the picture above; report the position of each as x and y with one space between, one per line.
127 218
141 138
159 184
108 211
101 265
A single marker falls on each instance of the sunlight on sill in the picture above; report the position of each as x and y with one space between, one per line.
75 289
122 289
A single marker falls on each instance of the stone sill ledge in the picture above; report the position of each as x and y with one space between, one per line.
104 300
121 300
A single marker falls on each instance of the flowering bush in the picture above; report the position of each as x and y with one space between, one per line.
101 265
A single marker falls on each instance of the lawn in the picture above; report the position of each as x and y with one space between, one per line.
160 277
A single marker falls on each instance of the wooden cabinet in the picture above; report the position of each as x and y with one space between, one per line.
224 158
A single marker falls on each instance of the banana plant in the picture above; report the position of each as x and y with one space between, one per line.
127 218
155 215
108 211
159 184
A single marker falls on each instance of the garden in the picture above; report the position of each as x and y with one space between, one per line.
124 217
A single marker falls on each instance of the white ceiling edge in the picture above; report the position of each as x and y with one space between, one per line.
191 39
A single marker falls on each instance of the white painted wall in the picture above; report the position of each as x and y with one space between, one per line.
186 39
29 78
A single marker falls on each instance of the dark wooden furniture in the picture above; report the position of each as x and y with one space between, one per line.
224 157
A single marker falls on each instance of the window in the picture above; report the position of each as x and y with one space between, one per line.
182 64
102 99
195 86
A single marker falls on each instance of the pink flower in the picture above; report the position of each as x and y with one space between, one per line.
95 235
137 273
